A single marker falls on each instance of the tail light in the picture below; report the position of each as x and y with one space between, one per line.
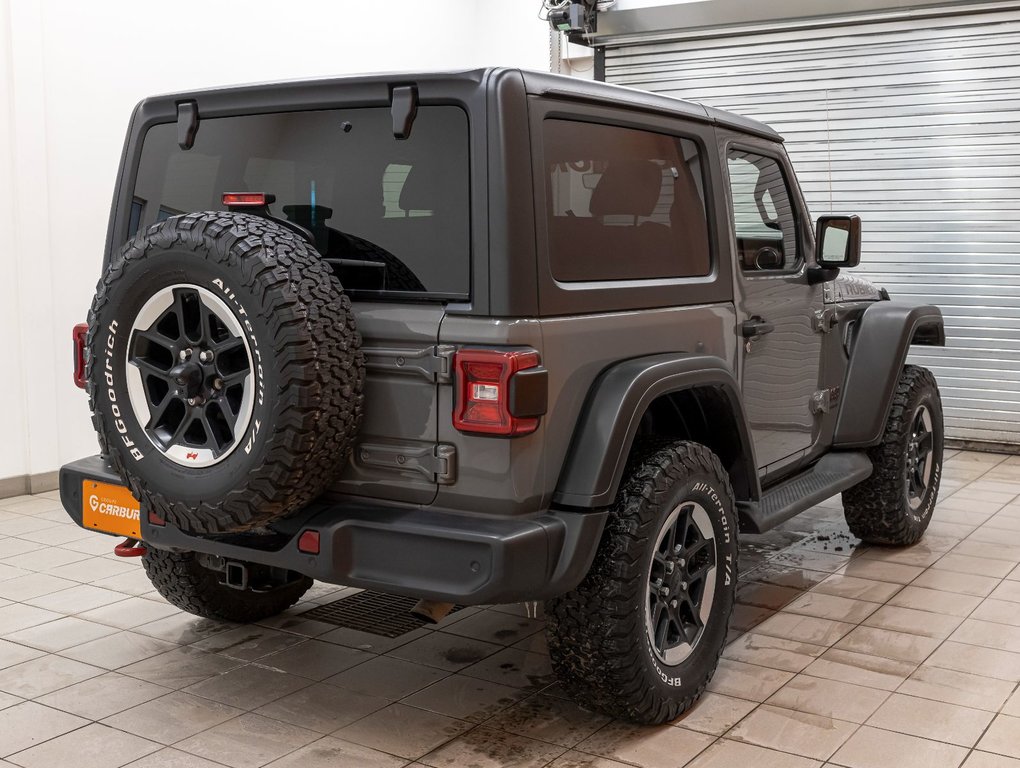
499 392
79 333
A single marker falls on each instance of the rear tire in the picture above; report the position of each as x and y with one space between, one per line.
894 506
185 582
640 637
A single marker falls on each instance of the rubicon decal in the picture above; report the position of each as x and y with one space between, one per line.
110 508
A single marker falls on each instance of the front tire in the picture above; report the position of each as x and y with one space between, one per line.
640 637
183 580
894 506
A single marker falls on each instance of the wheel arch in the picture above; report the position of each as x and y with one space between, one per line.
885 332
680 395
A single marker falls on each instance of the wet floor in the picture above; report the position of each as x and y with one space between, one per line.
838 655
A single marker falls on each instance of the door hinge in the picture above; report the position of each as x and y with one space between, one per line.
437 463
824 400
434 363
825 320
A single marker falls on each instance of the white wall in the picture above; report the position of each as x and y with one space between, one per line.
70 73
13 424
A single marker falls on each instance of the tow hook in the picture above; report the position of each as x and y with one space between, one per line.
130 548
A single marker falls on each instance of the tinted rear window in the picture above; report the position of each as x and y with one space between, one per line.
623 204
390 216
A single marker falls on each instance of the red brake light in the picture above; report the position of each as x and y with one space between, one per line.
245 199
78 335
483 391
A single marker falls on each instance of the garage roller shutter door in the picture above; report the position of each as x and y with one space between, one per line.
914 125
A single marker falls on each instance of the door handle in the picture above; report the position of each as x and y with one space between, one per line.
755 326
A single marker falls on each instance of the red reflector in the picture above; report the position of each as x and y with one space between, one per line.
254 199
309 543
78 335
155 519
483 390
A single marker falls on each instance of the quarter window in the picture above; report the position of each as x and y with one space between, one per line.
763 216
623 204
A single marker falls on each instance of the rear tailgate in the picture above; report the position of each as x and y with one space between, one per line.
392 218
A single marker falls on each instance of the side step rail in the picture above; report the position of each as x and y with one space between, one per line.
833 473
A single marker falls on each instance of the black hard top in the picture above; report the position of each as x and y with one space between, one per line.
290 93
544 83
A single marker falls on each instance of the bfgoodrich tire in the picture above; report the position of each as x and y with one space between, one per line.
894 505
184 581
225 371
641 636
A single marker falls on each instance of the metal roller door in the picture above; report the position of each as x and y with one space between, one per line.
914 125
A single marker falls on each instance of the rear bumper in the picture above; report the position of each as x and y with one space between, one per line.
400 549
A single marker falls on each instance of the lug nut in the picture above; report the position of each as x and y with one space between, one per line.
206 356
683 585
664 591
195 400
217 383
185 354
673 604
669 566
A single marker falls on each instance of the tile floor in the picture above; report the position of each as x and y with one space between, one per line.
840 655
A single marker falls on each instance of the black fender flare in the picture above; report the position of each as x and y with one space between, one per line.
881 341
613 410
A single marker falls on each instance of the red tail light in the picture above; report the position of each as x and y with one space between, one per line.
246 199
499 392
78 335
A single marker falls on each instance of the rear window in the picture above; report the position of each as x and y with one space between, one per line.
390 216
623 204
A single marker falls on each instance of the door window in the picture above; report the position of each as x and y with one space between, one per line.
764 219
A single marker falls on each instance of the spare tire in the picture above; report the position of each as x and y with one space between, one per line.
224 372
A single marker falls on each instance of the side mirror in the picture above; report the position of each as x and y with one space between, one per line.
838 241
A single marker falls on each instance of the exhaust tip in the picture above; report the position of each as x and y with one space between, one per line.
430 611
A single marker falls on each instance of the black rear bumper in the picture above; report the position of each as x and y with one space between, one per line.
401 549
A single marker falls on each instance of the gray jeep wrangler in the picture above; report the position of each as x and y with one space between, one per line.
487 337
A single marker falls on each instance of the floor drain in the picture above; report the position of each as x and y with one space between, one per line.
374 612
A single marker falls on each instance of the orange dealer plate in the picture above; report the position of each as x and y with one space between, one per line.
109 508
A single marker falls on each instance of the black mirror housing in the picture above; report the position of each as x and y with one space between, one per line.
838 241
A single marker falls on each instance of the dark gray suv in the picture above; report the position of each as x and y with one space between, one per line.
488 336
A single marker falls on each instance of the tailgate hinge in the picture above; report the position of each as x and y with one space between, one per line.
434 363
438 462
